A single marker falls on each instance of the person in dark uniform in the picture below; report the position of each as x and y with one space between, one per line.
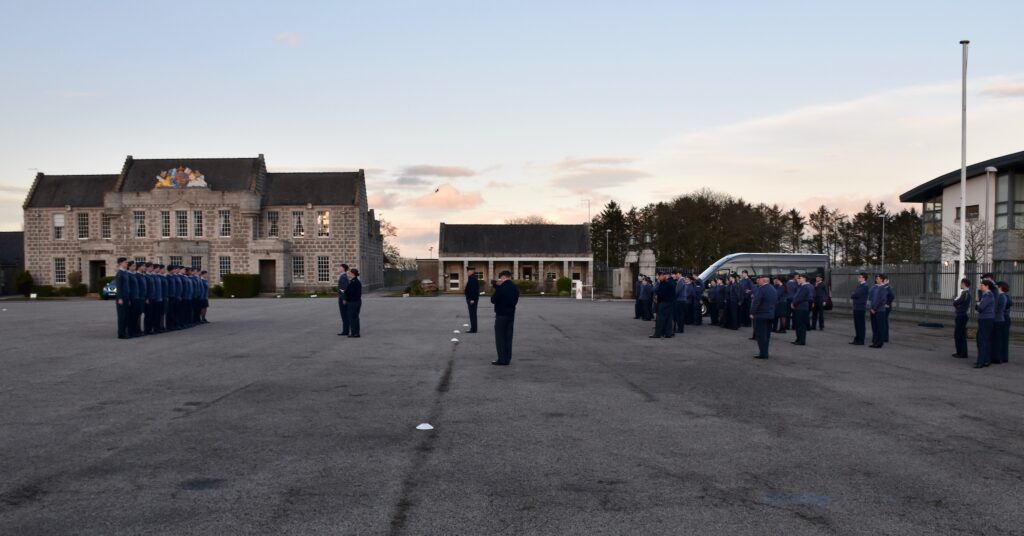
1004 355
801 307
197 297
818 307
637 304
746 294
204 281
735 298
342 306
148 325
123 283
505 298
762 312
646 297
354 302
723 306
880 312
472 292
681 311
157 302
998 324
961 306
696 298
791 287
665 298
890 296
781 308
713 301
986 308
859 300
137 290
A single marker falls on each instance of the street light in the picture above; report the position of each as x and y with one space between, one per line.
607 263
882 267
963 163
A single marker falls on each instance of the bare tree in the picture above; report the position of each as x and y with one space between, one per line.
977 240
532 219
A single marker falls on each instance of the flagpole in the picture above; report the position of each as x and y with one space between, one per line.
963 165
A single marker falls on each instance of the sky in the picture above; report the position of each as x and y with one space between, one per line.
476 112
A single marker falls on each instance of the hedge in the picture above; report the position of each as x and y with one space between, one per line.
526 287
76 290
241 285
43 291
24 283
564 284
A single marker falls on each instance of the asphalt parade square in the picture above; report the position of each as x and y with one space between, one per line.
267 422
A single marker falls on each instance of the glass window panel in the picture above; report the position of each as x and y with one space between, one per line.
1018 187
298 268
1002 193
1001 222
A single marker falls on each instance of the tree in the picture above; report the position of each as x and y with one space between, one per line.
977 241
610 219
532 219
391 252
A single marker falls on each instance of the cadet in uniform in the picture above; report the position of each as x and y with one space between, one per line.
818 308
637 304
342 307
762 312
697 296
149 326
1004 355
986 313
205 297
998 324
781 306
646 295
138 289
505 298
472 292
859 300
890 296
713 301
124 290
961 306
879 311
747 288
681 312
665 297
354 301
801 308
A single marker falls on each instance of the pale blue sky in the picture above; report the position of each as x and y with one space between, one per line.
562 101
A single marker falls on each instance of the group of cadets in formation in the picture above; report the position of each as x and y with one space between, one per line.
771 305
993 307
153 298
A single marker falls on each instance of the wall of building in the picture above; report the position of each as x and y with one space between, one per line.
981 191
489 268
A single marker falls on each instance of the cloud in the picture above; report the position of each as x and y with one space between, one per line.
383 200
411 181
575 163
448 197
588 180
438 171
289 39
1006 90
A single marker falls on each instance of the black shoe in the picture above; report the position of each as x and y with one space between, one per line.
343 334
799 343
353 336
472 331
753 338
654 336
121 337
957 355
499 363
996 362
760 357
978 366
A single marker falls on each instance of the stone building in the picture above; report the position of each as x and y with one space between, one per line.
539 252
223 215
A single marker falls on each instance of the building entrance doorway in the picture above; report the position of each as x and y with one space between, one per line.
97 271
268 275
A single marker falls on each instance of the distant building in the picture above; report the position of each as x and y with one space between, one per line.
537 252
12 260
223 215
995 201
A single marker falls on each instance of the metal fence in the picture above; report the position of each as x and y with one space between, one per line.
925 292
394 277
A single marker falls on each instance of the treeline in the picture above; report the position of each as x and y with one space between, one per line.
697 229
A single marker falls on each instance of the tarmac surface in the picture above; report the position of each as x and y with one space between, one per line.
266 422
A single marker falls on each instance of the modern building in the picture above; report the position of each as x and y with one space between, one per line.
994 212
540 252
223 215
12 260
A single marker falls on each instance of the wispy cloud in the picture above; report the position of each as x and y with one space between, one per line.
1008 90
289 39
438 171
411 181
588 180
448 197
383 200
576 163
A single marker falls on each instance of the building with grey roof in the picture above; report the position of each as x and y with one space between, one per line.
223 215
534 252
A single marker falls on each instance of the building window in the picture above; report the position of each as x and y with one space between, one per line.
225 223
1018 201
139 260
323 223
256 220
83 225
972 213
60 271
58 226
225 266
197 262
165 224
297 229
176 260
1002 201
181 222
298 268
323 269
932 216
550 276
272 230
104 226
197 223
139 219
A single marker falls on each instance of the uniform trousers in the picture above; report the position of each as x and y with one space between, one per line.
960 335
504 328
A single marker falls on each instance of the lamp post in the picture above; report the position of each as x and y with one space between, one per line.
882 266
607 262
963 163
430 254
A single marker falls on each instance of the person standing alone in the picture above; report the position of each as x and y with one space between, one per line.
353 302
342 305
505 297
472 292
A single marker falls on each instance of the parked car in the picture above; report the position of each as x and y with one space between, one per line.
109 291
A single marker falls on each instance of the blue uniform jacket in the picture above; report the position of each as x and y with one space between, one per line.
791 287
151 284
354 291
820 291
859 298
1006 311
637 289
802 297
158 288
1000 307
763 304
962 303
646 292
666 291
124 284
505 298
138 286
877 298
747 288
889 296
683 291
986 306
342 284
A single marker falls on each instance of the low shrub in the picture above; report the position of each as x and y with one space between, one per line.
564 284
527 287
23 283
217 291
74 290
563 292
43 291
100 283
74 279
241 285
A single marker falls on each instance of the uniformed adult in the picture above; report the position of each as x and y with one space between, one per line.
1004 355
801 307
664 298
762 313
197 297
637 304
646 297
736 298
157 303
998 324
505 298
204 279
123 284
152 292
681 311
713 301
781 307
818 305
138 288
354 301
342 306
472 292
859 301
961 308
746 294
986 308
890 296
696 299
791 287
879 310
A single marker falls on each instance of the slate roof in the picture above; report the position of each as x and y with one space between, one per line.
51 191
934 187
222 174
12 247
327 188
512 240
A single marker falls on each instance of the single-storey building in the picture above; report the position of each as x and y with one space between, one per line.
533 252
